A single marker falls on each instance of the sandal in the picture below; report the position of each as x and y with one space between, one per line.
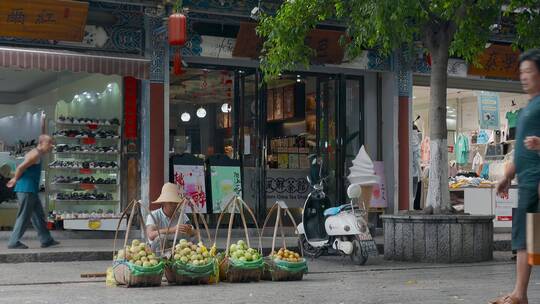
507 299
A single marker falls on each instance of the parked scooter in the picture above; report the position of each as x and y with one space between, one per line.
343 229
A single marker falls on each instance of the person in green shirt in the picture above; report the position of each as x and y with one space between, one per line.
526 166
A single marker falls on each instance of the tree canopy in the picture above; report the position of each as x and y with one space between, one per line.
386 25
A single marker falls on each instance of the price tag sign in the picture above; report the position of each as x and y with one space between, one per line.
94 224
85 171
89 141
87 186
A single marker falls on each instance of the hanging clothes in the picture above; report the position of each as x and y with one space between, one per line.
462 150
415 145
425 150
485 171
477 161
483 137
512 118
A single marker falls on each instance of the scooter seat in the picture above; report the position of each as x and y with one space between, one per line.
332 211
335 210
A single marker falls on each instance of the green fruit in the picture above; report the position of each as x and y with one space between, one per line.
183 241
151 256
241 243
142 247
248 256
135 243
199 257
205 254
134 249
147 264
177 256
199 250
233 248
136 257
205 261
193 247
189 244
138 263
142 253
144 259
184 259
195 263
243 259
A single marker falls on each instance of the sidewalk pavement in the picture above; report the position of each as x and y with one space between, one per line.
99 246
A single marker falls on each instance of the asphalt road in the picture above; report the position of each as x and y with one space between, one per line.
331 280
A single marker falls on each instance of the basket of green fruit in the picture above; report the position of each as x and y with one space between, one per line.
190 263
136 265
240 262
284 264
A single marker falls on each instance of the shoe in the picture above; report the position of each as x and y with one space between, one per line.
49 244
19 245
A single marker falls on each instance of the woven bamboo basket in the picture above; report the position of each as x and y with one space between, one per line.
228 271
280 270
125 273
181 274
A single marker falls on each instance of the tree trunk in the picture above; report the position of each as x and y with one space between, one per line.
438 196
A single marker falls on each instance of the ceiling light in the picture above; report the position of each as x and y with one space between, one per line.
185 117
225 108
201 112
110 87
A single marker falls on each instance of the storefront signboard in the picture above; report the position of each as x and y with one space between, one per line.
500 61
325 43
225 182
191 182
62 20
488 110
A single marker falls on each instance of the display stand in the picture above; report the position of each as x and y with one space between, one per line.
84 176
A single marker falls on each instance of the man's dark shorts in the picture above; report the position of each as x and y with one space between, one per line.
527 203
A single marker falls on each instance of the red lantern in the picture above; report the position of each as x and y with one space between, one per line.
177 29
177 37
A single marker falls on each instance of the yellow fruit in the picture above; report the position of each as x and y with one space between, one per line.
177 256
135 242
144 259
138 263
147 264
142 253
154 262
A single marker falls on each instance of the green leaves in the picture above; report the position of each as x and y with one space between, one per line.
462 26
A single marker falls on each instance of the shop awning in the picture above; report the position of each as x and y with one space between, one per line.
56 60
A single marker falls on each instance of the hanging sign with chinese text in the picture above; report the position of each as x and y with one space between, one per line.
500 61
225 181
61 20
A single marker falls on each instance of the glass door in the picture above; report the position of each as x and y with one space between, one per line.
328 146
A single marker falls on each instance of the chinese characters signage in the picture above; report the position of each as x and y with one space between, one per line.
497 61
488 110
62 20
225 183
325 43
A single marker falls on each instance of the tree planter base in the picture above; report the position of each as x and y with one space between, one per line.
438 238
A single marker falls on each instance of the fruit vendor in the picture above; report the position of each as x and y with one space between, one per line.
164 220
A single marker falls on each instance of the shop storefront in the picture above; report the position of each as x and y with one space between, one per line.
78 91
228 132
482 109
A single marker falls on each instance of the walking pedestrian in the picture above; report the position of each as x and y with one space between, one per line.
26 183
526 165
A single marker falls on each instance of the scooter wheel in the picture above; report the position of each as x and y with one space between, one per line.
358 256
307 249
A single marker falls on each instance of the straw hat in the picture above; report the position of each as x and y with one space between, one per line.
169 194
5 170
